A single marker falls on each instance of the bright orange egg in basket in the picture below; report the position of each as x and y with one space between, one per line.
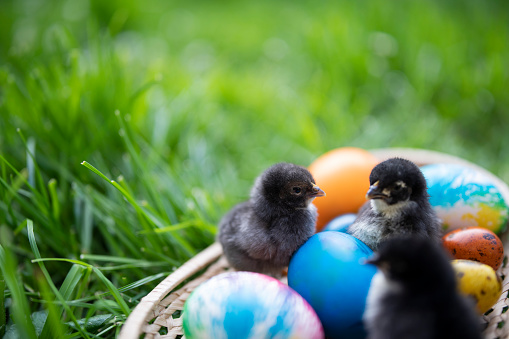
343 174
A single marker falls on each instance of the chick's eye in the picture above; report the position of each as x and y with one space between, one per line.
297 189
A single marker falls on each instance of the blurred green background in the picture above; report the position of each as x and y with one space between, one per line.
183 104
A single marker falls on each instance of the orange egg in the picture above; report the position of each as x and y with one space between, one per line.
476 244
343 174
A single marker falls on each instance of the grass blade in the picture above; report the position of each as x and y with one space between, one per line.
178 240
55 204
142 282
71 280
109 258
82 302
72 261
54 315
96 171
35 249
3 319
20 310
52 326
86 227
114 291
109 285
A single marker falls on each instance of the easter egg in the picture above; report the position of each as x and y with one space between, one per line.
478 281
341 223
463 197
248 305
477 244
344 174
329 272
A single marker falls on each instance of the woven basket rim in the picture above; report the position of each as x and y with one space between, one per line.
144 311
149 307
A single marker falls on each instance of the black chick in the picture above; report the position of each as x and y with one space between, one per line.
414 294
398 205
261 234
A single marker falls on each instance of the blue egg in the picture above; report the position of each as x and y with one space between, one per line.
328 271
341 223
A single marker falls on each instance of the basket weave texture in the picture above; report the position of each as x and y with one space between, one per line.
159 313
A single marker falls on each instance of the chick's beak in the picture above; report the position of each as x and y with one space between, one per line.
316 192
373 260
375 192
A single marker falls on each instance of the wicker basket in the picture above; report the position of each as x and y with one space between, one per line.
158 315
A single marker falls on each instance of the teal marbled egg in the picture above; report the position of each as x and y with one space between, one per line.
465 197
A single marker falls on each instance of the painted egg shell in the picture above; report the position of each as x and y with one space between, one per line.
248 305
478 281
343 174
328 271
477 244
463 197
341 223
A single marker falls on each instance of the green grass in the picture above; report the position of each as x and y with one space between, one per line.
128 128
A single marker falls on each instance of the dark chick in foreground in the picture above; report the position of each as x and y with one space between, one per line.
398 205
261 234
414 294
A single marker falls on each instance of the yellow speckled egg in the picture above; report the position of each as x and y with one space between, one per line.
478 281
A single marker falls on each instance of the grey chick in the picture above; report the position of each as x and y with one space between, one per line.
414 294
398 205
261 234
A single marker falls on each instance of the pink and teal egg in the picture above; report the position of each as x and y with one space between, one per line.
329 272
246 305
465 197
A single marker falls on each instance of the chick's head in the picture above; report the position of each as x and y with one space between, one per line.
415 262
396 180
288 185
